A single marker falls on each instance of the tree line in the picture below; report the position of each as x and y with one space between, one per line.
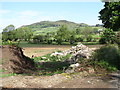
62 35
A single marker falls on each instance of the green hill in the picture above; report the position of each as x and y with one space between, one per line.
44 27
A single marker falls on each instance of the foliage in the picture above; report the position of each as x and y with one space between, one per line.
109 54
89 38
9 28
117 40
17 34
62 34
50 58
52 65
38 38
106 65
80 39
51 68
87 31
49 37
24 33
108 36
110 15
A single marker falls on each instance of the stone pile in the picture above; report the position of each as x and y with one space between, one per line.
77 52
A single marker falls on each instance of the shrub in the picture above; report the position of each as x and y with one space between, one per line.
102 40
89 38
108 36
117 40
106 65
80 39
94 40
110 54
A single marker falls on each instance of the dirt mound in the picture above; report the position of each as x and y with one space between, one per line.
14 61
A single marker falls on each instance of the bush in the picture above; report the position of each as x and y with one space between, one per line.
106 65
94 40
102 40
89 38
110 54
108 36
80 39
117 40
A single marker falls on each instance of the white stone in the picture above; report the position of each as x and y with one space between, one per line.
43 58
75 65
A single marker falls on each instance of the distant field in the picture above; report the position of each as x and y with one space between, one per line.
44 31
43 49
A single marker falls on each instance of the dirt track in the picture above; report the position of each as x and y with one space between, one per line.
58 81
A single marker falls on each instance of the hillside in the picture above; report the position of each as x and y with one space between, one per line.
44 27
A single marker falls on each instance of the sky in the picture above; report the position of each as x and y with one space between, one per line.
25 13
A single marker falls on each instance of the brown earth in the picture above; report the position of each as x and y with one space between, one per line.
14 61
40 51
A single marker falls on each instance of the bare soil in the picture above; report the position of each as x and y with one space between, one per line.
58 81
40 51
14 61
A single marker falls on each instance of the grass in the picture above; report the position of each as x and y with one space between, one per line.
51 68
50 58
90 43
52 65
7 75
26 44
44 31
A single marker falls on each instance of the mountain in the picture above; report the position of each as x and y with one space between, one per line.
44 27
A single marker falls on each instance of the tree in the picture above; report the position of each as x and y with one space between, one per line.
71 37
49 37
8 33
9 28
108 36
24 33
110 15
38 39
62 34
77 31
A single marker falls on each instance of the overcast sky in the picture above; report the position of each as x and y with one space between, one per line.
24 13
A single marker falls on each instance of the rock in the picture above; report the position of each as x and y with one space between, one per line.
74 65
77 52
43 58
56 54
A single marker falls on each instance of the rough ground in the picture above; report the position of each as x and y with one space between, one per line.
80 80
59 81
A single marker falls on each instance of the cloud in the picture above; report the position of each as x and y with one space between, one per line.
4 11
